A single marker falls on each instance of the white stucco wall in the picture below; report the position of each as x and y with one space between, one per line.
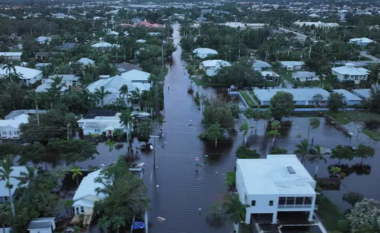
41 230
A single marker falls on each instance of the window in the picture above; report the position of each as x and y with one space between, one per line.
97 130
82 209
308 200
10 132
16 132
270 203
299 200
282 200
290 201
4 132
253 203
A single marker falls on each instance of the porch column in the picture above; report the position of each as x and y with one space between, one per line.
274 219
248 217
311 213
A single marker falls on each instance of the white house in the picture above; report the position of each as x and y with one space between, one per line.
349 72
292 65
212 66
349 98
318 24
11 56
10 128
86 61
101 124
277 184
270 75
44 39
26 75
259 65
204 52
16 172
68 80
361 41
42 225
300 96
103 45
86 195
363 93
304 76
133 79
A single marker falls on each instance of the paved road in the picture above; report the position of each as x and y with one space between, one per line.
299 35
373 58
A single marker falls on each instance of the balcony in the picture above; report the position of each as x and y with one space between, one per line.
300 206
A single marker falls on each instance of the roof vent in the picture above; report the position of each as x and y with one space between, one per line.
290 170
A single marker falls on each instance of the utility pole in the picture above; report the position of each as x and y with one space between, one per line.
309 52
38 115
68 131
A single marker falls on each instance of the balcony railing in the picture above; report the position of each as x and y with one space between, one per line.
294 206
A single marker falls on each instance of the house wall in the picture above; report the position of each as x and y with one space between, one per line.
87 210
100 132
356 78
48 230
352 102
33 80
12 58
9 132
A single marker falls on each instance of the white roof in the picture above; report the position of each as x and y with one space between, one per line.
84 202
140 41
43 38
271 175
27 73
16 171
363 39
350 69
215 63
15 121
298 94
269 73
136 75
102 45
347 95
88 186
206 51
366 93
303 74
292 63
86 61
11 54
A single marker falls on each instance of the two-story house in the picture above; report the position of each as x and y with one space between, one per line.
275 186
349 72
10 128
67 80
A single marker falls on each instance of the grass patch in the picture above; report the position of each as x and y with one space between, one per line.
200 82
287 75
347 117
247 99
372 134
328 213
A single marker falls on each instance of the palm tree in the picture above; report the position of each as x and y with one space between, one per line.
275 125
104 223
101 93
317 155
317 98
76 172
257 115
266 115
126 120
124 91
245 127
10 67
117 222
111 145
235 209
215 133
302 148
26 177
5 175
135 95
5 215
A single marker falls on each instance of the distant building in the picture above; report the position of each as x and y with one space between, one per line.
101 122
67 81
270 75
275 186
136 20
154 34
300 96
363 93
349 72
86 61
26 75
244 25
42 225
349 98
125 67
11 56
41 66
10 128
292 65
361 41
201 19
204 52
212 66
44 39
304 76
103 45
259 65
318 24
66 46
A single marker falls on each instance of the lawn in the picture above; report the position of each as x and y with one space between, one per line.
347 117
200 82
287 75
328 213
247 98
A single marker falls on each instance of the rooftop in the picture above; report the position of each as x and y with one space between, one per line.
85 61
261 64
215 63
366 93
27 73
205 51
298 94
292 63
15 122
277 174
41 223
347 95
22 111
350 69
88 186
303 74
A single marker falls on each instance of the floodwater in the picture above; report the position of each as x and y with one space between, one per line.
181 195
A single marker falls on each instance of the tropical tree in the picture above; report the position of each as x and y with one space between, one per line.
145 129
216 214
352 198
364 152
117 222
100 94
267 116
342 152
281 105
302 149
317 98
278 151
104 222
231 179
5 215
135 96
5 175
257 115
365 214
124 91
27 177
235 209
126 120
313 124
77 171
244 128
243 152
317 155
214 133
336 101
111 145
275 126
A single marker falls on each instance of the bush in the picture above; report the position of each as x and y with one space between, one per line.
243 152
